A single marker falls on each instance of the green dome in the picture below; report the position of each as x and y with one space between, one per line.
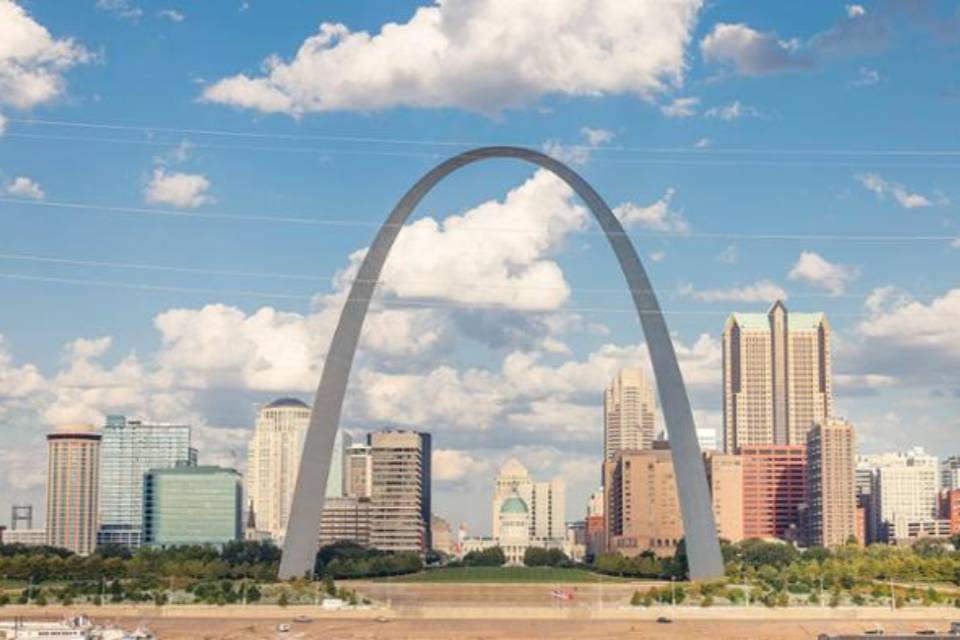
513 504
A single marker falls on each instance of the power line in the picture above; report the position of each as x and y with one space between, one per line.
473 143
283 219
247 293
326 151
73 262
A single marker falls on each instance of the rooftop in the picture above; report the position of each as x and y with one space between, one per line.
288 402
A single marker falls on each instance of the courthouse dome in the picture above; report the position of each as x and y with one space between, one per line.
513 504
288 402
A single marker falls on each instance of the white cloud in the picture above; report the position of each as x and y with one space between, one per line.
122 9
681 107
703 143
32 62
815 270
24 187
883 188
658 256
17 381
451 465
479 55
3 124
855 10
729 255
171 14
657 216
578 154
184 190
956 243
760 291
865 78
442 260
733 111
750 52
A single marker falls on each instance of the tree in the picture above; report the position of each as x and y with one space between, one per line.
492 557
283 600
637 599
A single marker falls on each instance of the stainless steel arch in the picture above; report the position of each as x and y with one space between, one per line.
300 546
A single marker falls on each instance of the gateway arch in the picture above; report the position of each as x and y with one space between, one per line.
702 544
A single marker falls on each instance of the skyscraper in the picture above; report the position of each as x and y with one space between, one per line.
273 462
191 506
904 491
73 488
129 449
950 473
629 413
400 499
725 478
774 490
776 377
831 483
643 509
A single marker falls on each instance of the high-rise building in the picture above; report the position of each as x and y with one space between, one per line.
950 509
191 506
595 524
725 478
950 473
831 518
904 492
545 501
345 520
629 413
73 488
273 463
129 449
444 540
359 471
776 377
400 499
642 507
774 490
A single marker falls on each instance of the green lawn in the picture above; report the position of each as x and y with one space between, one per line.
506 574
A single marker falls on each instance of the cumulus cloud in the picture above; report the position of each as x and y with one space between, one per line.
865 78
750 52
760 291
733 111
681 107
451 465
24 187
659 215
484 55
172 15
444 260
17 381
817 271
883 188
3 124
703 143
122 9
32 62
579 154
183 190
729 255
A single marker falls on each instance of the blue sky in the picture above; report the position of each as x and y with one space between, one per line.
754 150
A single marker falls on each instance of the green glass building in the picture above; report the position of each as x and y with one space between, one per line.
191 506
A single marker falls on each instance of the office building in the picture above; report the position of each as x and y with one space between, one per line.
443 537
774 490
950 473
776 377
345 520
725 479
273 463
831 518
73 488
642 508
546 501
595 524
191 506
359 471
950 509
904 491
629 413
129 449
400 499
26 537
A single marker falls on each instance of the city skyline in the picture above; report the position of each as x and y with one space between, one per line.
515 367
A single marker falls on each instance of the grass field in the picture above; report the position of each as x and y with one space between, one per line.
505 574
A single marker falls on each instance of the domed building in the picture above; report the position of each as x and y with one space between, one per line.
514 526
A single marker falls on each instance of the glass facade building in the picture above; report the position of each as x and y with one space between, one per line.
129 449
191 506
